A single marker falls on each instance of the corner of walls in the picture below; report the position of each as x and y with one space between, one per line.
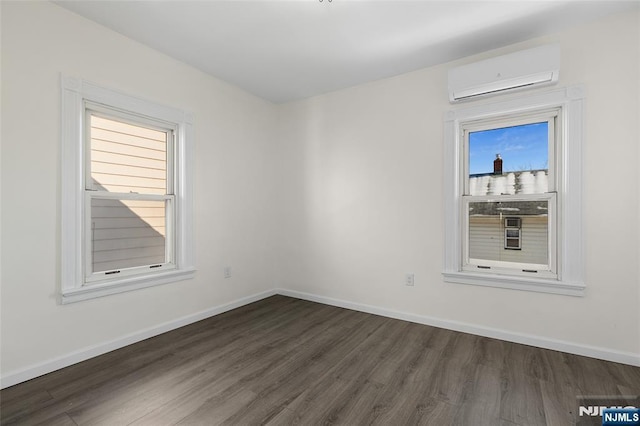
234 183
332 199
32 371
607 354
363 184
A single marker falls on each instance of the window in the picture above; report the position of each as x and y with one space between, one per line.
512 233
512 222
129 194
513 193
521 181
512 239
126 209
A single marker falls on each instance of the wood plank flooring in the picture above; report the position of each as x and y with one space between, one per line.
283 361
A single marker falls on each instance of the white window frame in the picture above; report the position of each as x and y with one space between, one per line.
553 119
517 219
568 276
79 96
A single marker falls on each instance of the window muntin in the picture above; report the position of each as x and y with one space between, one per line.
129 195
509 170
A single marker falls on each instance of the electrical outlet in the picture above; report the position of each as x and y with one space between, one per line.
227 271
409 279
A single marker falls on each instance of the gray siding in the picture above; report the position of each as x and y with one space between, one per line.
486 240
127 233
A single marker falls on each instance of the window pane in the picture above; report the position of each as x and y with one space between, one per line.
513 243
509 160
513 233
487 222
127 157
127 233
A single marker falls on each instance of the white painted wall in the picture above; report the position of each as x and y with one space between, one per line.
234 219
361 189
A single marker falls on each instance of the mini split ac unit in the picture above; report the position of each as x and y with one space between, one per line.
527 68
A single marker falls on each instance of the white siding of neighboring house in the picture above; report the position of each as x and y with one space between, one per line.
486 240
127 158
127 233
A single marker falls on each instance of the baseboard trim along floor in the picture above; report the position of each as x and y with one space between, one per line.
509 336
13 378
284 360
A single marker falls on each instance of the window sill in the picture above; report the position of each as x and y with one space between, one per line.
126 284
516 283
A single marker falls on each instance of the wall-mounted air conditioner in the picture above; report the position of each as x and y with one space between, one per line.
532 67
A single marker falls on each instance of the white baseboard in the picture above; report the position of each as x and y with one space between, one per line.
526 339
15 377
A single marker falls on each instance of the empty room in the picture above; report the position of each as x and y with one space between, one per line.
320 212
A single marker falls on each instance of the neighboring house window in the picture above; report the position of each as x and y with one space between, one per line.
512 233
126 210
513 193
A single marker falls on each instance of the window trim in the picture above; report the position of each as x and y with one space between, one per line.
570 251
77 94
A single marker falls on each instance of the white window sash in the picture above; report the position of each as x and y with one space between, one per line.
550 117
92 108
548 270
92 277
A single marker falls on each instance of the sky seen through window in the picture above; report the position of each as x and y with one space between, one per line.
523 147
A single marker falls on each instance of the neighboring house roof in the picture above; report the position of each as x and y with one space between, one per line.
511 183
525 182
508 208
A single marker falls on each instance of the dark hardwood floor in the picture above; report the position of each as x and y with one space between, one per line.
286 361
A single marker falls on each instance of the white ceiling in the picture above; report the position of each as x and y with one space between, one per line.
286 50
